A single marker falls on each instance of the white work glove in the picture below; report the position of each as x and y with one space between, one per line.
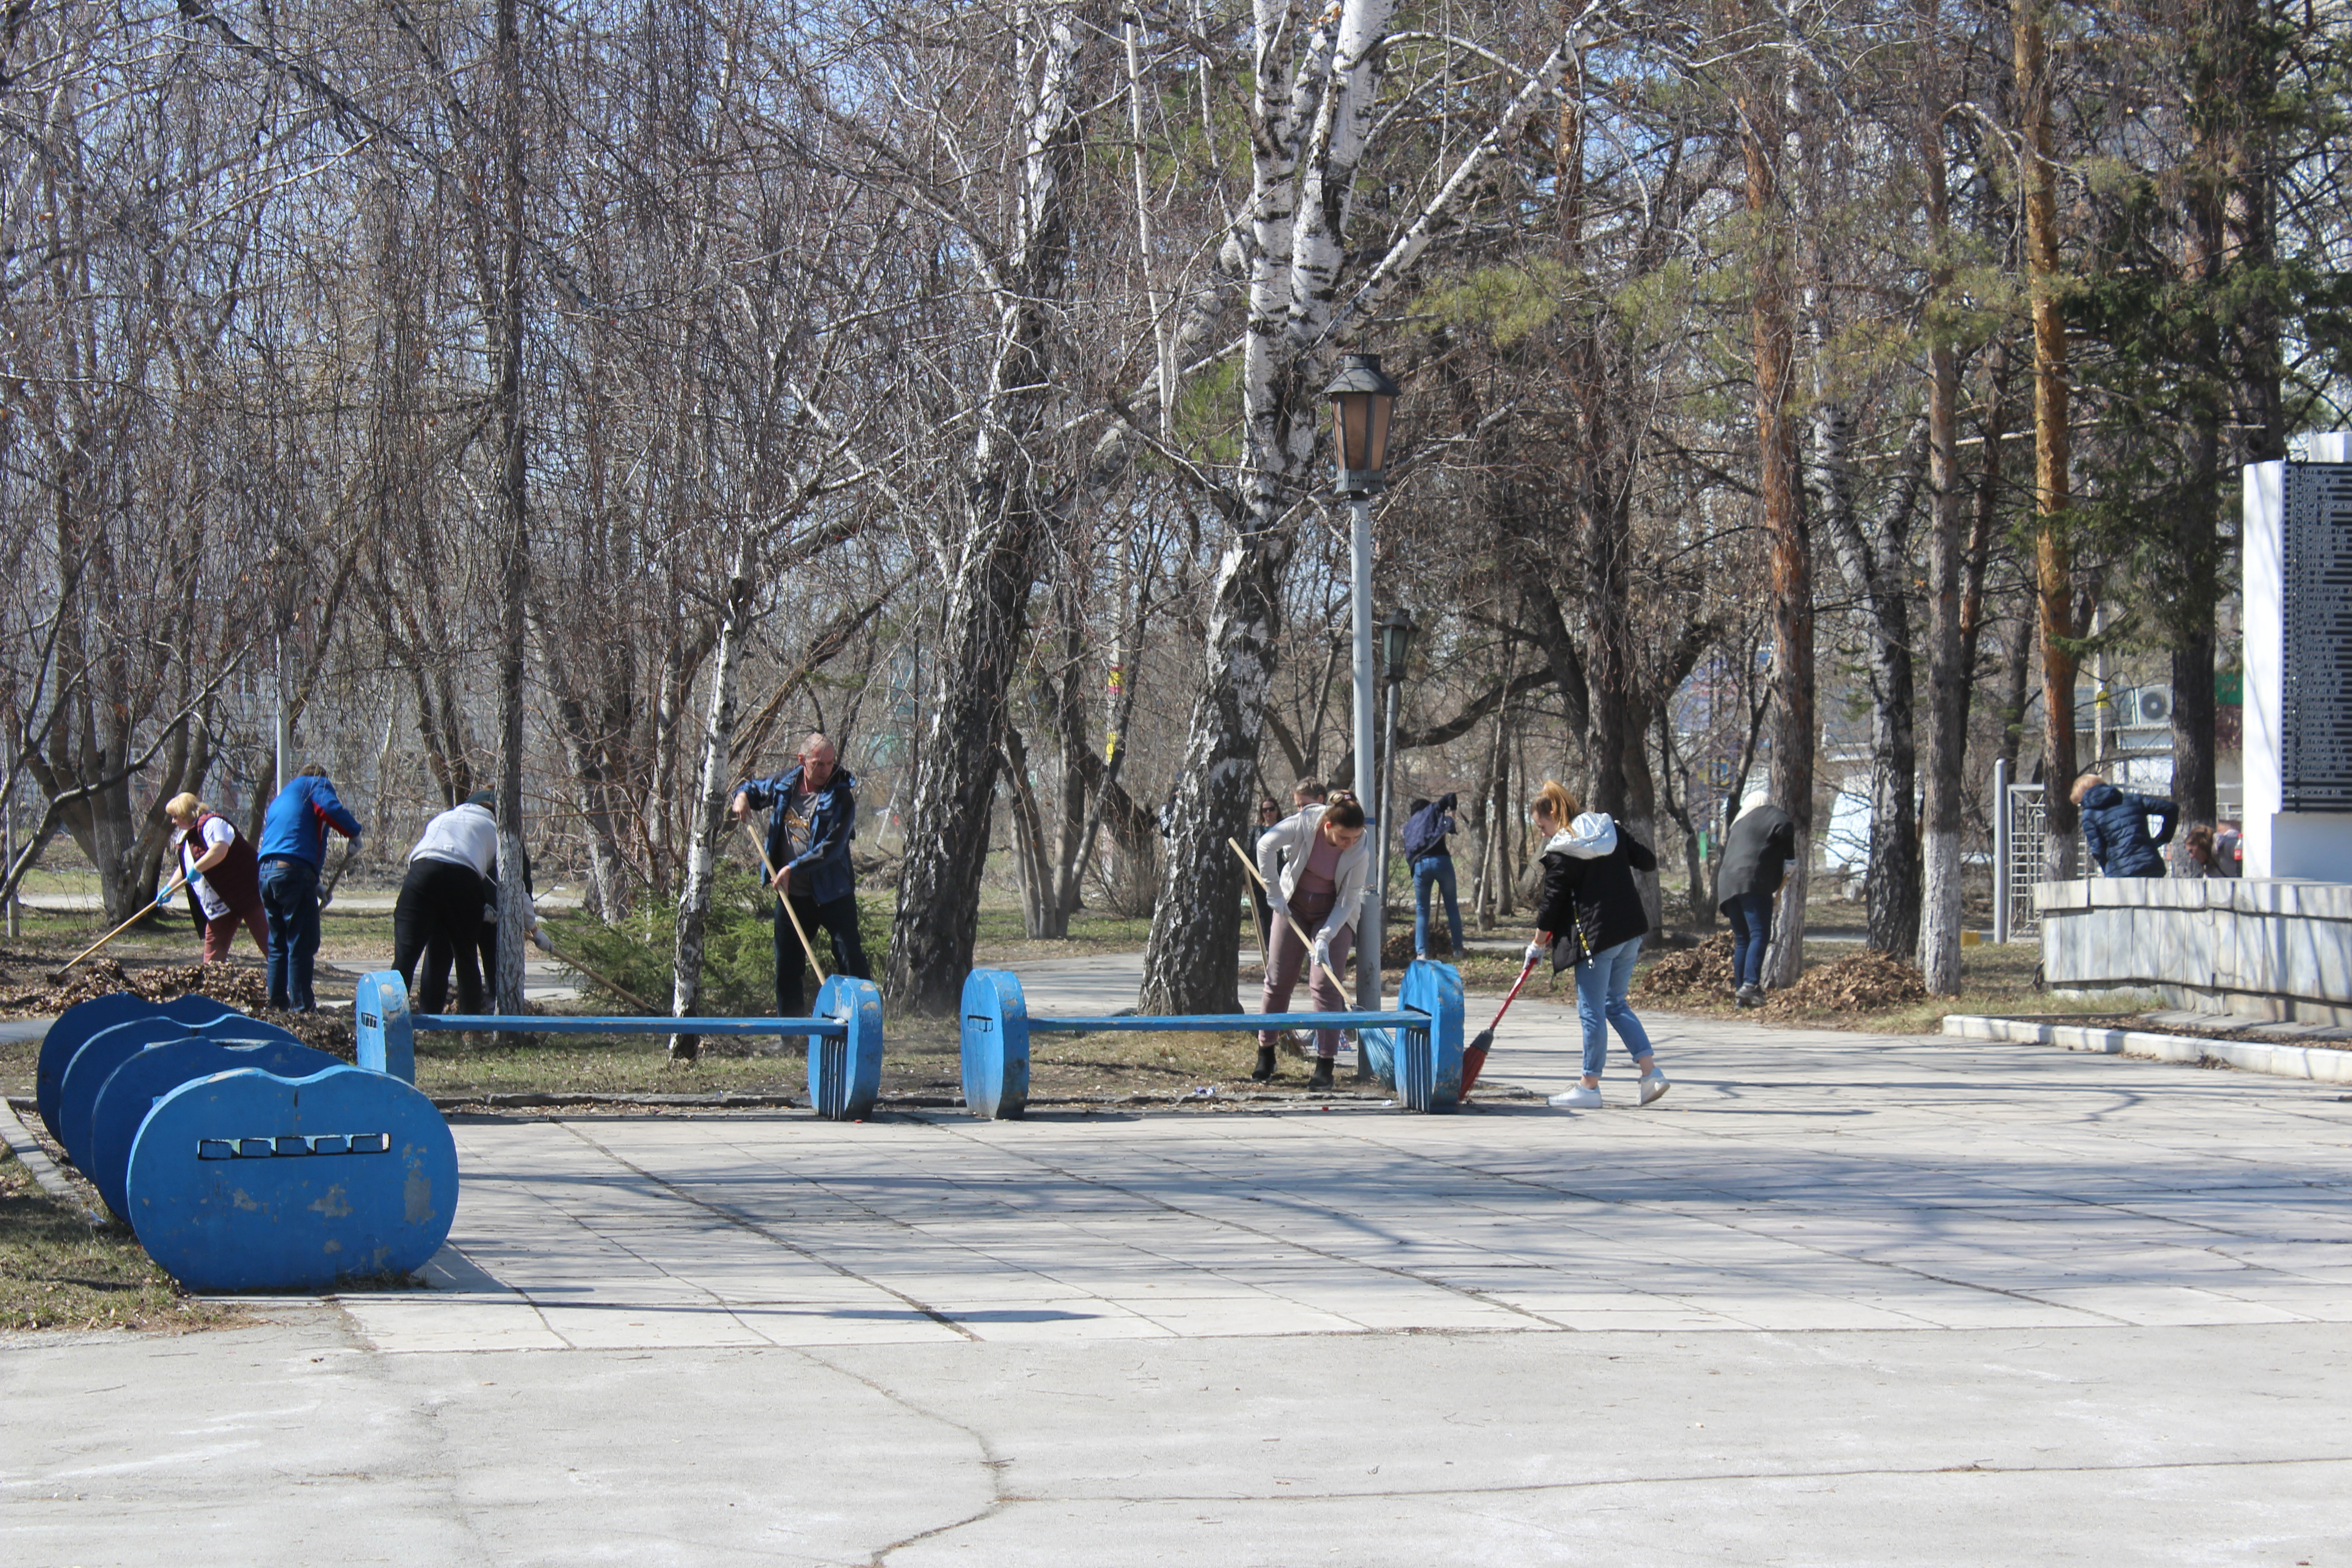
1278 903
1536 949
539 938
1323 951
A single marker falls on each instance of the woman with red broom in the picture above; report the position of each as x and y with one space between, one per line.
1592 903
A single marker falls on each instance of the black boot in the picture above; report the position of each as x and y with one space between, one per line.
1264 1069
1322 1078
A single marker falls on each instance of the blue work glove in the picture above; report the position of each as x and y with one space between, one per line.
163 898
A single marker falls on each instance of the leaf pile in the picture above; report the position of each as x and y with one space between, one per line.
1704 970
1863 982
230 984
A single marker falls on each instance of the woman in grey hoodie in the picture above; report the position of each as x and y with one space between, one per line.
1593 917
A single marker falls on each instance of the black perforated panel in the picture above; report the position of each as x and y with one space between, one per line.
2315 726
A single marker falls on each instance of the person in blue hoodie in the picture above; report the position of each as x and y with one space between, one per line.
2114 827
812 816
293 848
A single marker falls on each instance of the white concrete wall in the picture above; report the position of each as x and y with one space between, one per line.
2277 948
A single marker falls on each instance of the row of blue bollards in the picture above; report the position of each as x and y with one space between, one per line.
245 1160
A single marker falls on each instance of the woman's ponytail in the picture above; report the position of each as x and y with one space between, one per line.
1343 810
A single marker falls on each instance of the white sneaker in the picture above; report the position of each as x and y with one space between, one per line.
1579 1098
1654 1085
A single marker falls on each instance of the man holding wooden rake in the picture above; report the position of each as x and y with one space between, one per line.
812 816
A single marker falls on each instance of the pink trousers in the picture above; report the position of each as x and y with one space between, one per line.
1288 957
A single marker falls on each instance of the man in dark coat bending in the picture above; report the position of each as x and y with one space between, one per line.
812 816
2114 827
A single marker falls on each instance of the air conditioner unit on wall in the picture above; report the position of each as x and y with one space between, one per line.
2148 708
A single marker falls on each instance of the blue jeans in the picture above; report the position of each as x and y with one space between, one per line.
1601 983
289 896
1750 915
1437 871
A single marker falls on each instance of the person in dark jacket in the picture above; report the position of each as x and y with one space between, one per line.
1756 857
2114 827
293 848
812 816
1591 915
1433 867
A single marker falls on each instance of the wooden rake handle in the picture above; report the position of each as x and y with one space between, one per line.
1288 919
761 849
144 910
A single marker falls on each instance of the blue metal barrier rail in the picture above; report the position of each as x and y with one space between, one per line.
1417 1046
568 1024
845 1056
1239 1022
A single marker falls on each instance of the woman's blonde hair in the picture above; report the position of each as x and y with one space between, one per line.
183 807
1554 801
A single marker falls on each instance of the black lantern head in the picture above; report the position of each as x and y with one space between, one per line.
1361 402
1396 630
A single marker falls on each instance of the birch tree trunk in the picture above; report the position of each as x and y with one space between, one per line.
1312 108
710 801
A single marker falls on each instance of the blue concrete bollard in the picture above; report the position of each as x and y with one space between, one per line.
247 1180
77 1023
995 1038
387 1044
1428 1060
130 1093
109 1048
844 1072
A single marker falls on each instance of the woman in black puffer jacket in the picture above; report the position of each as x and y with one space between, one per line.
1591 915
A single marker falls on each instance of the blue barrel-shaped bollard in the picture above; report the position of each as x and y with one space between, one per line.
844 1072
77 1023
132 1092
108 1049
247 1180
995 1045
387 1044
1428 1060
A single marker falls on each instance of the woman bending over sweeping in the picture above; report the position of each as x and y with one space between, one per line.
1314 862
1591 900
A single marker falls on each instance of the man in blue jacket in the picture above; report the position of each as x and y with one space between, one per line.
812 816
2114 827
293 848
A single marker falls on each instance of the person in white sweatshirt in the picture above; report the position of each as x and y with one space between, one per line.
1315 863
440 905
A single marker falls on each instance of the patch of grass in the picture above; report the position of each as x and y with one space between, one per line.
58 1272
1001 936
632 1064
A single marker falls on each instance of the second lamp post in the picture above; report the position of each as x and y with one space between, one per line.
1362 400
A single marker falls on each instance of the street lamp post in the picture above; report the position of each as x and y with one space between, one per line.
1396 642
1362 400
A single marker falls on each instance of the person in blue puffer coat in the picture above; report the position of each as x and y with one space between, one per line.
2114 827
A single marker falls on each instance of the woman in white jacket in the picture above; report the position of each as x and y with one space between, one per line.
1314 862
